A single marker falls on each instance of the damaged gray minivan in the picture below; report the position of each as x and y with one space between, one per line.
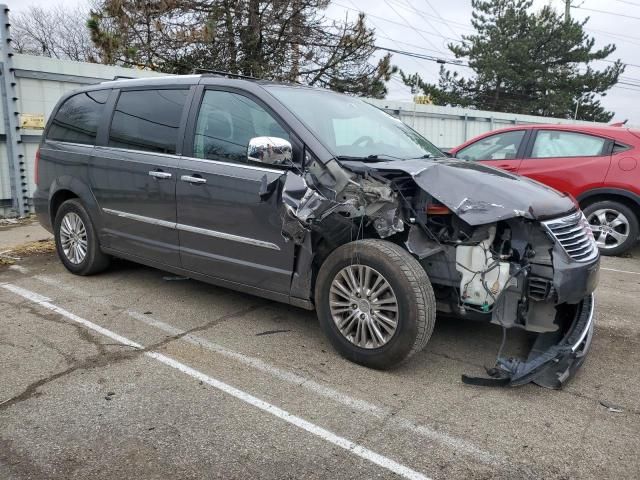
322 201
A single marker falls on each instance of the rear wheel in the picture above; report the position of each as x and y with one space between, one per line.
614 226
76 240
375 303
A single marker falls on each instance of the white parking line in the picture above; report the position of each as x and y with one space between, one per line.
320 432
619 271
347 400
362 406
19 268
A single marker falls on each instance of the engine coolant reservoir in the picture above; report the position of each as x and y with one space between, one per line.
483 277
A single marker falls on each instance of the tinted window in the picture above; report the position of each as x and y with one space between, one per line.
78 118
147 120
551 143
502 146
620 147
226 123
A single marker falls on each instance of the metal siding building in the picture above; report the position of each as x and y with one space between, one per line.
40 81
448 127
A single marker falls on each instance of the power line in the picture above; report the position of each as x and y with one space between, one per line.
370 15
634 65
447 22
408 6
419 47
387 36
628 2
422 56
627 88
438 19
411 26
606 12
617 37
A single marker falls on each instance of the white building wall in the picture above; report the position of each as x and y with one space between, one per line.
41 81
448 127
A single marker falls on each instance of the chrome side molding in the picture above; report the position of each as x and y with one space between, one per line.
139 218
192 229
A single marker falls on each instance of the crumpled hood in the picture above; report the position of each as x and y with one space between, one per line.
479 194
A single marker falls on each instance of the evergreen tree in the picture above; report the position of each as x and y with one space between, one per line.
536 63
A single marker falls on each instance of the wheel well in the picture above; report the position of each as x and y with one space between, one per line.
58 199
323 247
635 208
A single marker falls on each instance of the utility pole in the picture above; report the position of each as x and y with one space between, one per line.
567 11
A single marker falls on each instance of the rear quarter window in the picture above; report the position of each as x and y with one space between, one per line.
78 118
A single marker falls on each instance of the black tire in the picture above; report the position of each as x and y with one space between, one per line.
613 206
415 301
95 260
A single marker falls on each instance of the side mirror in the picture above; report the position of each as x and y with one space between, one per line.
270 150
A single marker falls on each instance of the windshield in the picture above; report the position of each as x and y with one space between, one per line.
351 128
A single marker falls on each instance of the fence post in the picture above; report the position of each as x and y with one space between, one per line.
466 128
18 178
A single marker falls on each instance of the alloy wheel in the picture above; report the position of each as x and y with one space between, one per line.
363 306
610 228
73 238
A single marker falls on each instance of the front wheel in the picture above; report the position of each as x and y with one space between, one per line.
375 303
614 226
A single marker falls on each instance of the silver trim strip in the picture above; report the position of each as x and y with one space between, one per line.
72 144
140 218
238 165
587 328
182 157
192 229
105 148
227 236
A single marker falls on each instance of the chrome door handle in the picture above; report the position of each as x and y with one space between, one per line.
159 174
191 179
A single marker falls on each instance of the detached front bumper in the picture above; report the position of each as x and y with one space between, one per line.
554 357
552 364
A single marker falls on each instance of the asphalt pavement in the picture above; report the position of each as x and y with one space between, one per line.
137 373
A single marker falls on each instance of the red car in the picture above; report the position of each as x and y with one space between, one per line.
597 165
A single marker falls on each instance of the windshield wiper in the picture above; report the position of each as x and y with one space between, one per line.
369 158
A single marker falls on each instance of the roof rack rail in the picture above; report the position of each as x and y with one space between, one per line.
224 74
123 77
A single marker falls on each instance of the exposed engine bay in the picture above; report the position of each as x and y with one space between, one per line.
518 261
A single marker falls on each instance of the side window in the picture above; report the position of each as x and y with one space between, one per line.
147 120
501 146
226 123
552 143
78 118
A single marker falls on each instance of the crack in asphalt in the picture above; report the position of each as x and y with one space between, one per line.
104 357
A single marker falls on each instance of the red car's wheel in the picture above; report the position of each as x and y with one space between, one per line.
614 226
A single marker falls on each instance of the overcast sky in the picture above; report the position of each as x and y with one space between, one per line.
427 26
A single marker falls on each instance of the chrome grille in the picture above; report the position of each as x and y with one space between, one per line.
574 234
